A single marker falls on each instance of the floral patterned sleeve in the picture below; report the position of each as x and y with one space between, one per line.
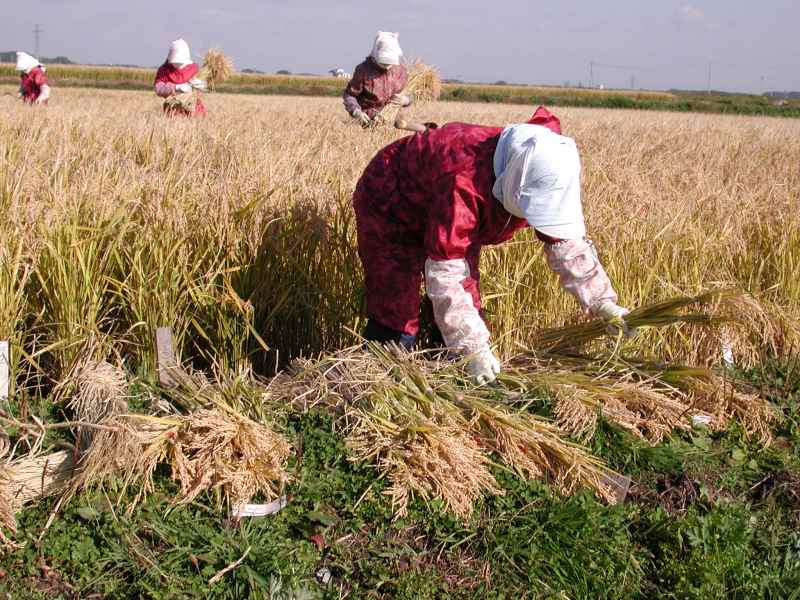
580 273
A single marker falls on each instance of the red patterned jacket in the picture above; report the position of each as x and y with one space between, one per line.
429 195
169 75
31 84
371 87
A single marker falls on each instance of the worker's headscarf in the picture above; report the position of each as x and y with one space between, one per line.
25 62
386 49
538 179
179 53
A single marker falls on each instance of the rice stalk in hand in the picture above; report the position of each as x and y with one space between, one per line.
658 314
701 389
216 69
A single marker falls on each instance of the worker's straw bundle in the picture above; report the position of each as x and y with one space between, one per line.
424 85
217 68
424 82
664 394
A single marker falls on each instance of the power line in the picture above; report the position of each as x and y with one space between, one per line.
37 31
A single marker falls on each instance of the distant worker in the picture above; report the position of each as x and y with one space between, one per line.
429 202
34 87
177 82
378 81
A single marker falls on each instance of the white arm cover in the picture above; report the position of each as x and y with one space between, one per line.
461 325
44 93
580 273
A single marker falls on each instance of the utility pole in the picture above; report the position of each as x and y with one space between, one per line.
709 78
37 32
633 82
591 74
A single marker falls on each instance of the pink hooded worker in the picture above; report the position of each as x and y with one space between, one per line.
34 87
177 82
378 81
428 203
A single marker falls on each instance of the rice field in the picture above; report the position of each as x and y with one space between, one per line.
236 231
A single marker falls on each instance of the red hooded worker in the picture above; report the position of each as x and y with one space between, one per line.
176 81
33 87
377 81
428 203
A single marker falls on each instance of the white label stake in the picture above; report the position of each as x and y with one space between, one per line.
5 361
167 363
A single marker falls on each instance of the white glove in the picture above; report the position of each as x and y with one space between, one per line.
183 88
44 95
401 100
609 311
483 367
362 117
198 84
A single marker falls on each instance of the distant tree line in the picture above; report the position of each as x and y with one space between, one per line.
11 57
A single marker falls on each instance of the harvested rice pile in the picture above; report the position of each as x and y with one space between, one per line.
434 434
213 446
206 450
416 417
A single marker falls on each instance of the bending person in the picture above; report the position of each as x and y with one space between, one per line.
428 203
177 82
34 87
378 81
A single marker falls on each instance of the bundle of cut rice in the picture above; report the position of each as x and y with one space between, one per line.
217 68
207 449
27 479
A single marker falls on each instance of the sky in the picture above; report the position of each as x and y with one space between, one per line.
653 44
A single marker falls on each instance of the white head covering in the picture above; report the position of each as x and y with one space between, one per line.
386 49
179 53
538 179
25 62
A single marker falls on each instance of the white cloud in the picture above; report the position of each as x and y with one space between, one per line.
690 14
